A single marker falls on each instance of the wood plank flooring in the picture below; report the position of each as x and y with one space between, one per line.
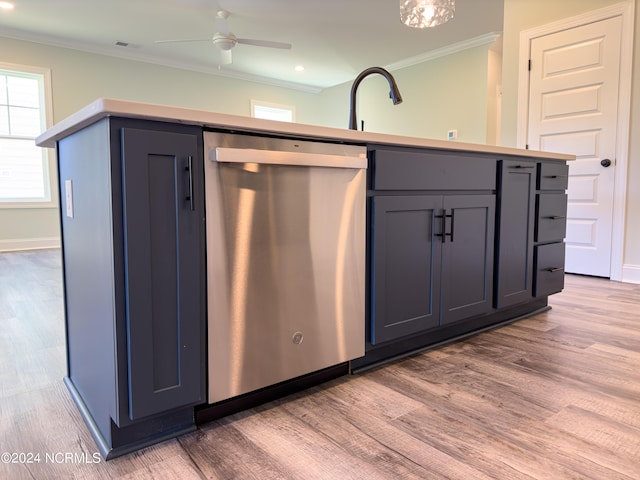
555 396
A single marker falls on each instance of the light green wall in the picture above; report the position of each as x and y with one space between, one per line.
443 94
78 78
446 93
526 14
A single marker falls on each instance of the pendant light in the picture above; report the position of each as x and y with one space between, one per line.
426 13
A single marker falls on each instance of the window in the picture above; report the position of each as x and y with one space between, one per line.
24 168
272 111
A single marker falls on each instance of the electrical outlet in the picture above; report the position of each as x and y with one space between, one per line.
452 135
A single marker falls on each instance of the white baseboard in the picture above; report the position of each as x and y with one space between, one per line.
631 273
13 245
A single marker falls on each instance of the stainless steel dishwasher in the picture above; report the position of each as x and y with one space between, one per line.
285 223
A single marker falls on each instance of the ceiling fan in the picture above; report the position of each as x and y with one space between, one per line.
225 40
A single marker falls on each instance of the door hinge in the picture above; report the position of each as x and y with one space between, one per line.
526 147
529 65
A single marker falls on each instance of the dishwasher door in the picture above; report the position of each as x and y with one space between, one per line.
285 225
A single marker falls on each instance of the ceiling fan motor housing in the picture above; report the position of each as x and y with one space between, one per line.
225 42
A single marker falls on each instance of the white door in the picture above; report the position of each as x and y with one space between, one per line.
573 108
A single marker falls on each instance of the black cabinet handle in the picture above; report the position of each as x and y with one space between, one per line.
555 269
523 166
556 176
443 227
190 170
444 233
556 217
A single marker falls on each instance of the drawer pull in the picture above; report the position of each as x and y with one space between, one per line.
556 176
556 217
189 169
555 269
523 166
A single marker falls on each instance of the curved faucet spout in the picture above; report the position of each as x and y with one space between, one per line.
394 94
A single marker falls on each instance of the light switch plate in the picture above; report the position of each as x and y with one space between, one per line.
68 195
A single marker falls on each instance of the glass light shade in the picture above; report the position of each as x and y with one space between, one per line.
426 13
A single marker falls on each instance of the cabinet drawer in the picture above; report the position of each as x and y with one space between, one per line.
417 170
549 276
551 219
553 176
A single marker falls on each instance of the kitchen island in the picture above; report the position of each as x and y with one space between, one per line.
459 238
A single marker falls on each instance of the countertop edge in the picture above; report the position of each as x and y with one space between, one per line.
105 107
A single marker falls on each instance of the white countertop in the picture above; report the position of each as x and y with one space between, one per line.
105 107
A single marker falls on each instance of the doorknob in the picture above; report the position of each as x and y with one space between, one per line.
605 162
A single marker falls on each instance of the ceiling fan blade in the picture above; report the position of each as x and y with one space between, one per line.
264 43
226 57
180 40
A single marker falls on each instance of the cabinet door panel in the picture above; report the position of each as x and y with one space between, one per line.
405 266
162 247
515 233
467 257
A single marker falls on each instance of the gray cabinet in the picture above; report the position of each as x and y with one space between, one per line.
515 231
162 237
132 217
467 256
431 255
405 266
550 228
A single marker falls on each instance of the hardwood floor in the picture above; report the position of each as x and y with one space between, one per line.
555 396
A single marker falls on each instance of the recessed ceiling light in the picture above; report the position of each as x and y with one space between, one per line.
7 6
299 68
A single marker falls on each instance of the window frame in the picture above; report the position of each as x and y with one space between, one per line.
50 199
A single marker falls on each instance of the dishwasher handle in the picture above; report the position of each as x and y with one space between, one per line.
275 157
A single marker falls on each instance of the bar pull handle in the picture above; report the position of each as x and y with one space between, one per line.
556 176
443 226
555 269
275 157
444 233
556 217
523 166
189 169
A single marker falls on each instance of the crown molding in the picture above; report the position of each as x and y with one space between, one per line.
486 39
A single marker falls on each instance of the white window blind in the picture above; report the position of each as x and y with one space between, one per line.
24 168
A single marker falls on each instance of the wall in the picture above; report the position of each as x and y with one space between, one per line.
632 237
445 93
78 78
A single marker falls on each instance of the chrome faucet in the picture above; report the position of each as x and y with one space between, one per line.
394 93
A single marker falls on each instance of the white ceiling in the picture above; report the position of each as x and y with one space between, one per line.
333 39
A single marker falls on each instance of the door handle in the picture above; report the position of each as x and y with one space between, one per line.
605 162
555 269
